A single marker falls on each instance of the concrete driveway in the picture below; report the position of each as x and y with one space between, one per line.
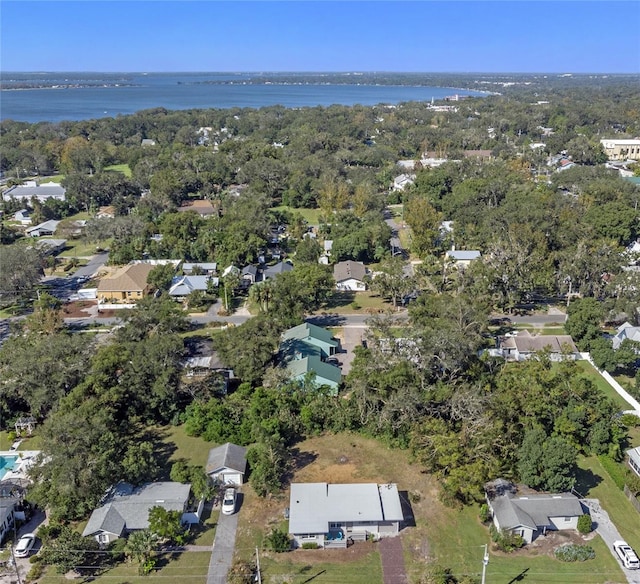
223 547
351 338
609 533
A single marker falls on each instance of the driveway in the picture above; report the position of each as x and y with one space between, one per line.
95 263
223 547
22 564
609 533
351 338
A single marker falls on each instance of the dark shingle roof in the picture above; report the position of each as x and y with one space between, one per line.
229 456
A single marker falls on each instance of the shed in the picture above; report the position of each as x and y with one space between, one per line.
227 464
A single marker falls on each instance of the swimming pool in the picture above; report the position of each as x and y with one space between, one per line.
6 464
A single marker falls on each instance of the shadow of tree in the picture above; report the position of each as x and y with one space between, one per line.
586 480
299 459
162 449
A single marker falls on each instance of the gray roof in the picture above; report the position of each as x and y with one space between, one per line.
127 508
525 342
229 456
314 505
534 510
41 192
462 255
349 270
279 268
50 225
626 331
184 285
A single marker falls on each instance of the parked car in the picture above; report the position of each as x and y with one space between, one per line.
626 554
229 501
24 545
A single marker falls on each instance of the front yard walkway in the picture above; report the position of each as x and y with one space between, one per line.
393 571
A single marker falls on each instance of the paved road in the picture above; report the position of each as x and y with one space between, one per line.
396 245
351 338
223 547
533 319
95 263
609 533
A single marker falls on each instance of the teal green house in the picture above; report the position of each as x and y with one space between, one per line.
304 350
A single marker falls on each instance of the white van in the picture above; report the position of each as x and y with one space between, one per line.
626 554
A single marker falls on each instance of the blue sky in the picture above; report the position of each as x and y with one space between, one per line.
449 36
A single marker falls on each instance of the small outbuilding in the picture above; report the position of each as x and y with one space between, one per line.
227 464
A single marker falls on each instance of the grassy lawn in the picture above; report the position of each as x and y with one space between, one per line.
452 537
56 178
80 248
289 568
595 482
311 216
189 567
587 369
123 168
342 303
193 449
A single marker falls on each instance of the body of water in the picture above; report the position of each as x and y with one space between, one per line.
132 93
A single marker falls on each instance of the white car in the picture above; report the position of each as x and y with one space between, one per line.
628 557
23 547
229 501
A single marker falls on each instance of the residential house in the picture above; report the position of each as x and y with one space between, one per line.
128 284
531 515
304 349
231 270
106 212
23 217
147 142
208 268
462 257
31 190
524 346
350 275
402 181
334 515
43 229
51 246
7 517
126 508
279 268
625 332
202 207
621 149
227 464
182 286
565 164
634 459
249 275
310 334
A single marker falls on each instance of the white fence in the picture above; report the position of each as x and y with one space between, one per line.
621 391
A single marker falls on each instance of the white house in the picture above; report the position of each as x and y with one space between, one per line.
462 257
7 517
31 190
126 508
332 515
23 217
227 464
182 286
626 331
531 515
402 181
524 346
46 228
634 459
621 149
350 275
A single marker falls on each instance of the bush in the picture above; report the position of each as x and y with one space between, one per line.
278 541
630 420
485 513
574 553
415 497
36 571
616 471
584 524
355 306
505 541
310 545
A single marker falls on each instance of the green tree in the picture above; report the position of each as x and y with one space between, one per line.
546 462
160 277
268 465
21 271
583 321
69 550
141 546
391 281
166 524
424 221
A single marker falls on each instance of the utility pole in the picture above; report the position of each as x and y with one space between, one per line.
13 559
485 562
259 580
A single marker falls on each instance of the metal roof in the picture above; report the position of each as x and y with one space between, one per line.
312 506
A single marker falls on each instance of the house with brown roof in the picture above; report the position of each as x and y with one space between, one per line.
202 207
524 346
128 284
350 275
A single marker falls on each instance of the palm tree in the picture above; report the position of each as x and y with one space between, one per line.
141 545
